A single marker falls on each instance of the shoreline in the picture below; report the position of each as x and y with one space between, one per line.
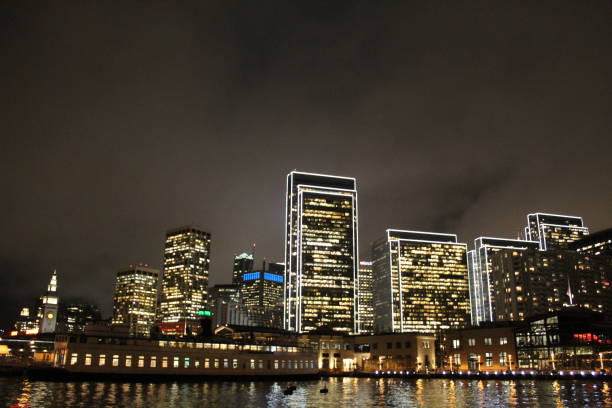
58 374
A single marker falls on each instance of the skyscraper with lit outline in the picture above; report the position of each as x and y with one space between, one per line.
321 254
554 231
420 282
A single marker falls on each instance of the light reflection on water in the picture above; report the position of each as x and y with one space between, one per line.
349 392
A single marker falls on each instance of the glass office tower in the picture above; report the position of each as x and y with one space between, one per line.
135 299
185 280
554 231
320 253
420 282
482 299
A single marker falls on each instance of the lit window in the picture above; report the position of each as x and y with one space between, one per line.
471 342
165 362
488 341
153 362
102 360
115 360
503 340
216 363
74 358
503 358
140 361
87 359
235 363
128 361
456 343
207 363
186 362
489 359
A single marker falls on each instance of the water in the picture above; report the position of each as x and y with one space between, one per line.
343 392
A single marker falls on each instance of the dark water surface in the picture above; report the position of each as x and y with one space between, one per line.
343 392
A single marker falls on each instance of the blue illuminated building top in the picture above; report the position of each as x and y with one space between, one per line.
273 277
251 276
267 276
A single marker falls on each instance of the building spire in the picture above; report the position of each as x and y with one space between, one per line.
569 291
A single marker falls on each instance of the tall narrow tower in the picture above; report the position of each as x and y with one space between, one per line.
185 279
47 315
321 255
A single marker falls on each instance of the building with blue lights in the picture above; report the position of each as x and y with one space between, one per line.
261 293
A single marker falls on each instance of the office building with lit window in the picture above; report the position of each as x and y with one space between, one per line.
185 278
136 299
47 312
595 244
321 253
243 263
223 292
554 231
365 311
420 282
74 316
528 283
482 299
261 294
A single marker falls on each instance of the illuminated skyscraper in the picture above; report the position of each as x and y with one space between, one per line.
482 298
554 231
243 263
47 313
366 298
260 293
528 283
185 279
136 299
320 253
420 282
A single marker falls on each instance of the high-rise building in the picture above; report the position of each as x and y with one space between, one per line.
482 299
223 292
554 231
420 282
321 253
366 298
532 282
185 279
74 316
260 292
243 263
47 312
597 243
136 299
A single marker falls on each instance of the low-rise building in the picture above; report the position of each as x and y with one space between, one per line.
489 347
339 353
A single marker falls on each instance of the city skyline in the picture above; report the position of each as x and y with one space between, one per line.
231 270
459 119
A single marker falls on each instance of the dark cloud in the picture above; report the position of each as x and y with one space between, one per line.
120 121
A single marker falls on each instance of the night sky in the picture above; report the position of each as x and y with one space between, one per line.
122 121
